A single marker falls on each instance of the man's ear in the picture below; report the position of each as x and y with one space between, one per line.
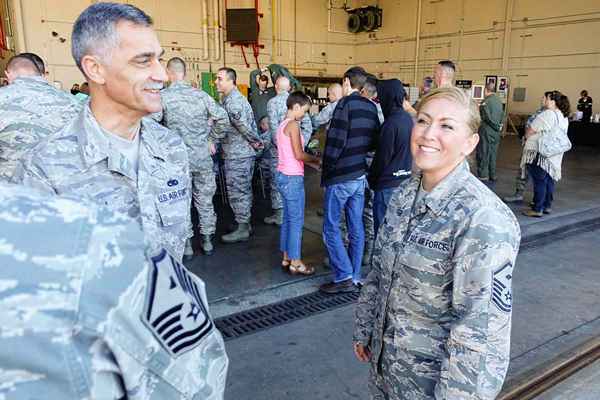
93 69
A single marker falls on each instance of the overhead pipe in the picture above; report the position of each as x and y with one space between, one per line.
217 29
418 41
205 30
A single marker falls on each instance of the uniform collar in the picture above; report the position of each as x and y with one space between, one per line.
234 93
36 79
182 83
95 146
440 196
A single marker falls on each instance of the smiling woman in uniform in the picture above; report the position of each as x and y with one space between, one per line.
434 315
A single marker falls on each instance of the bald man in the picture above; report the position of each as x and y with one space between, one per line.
31 109
334 93
276 110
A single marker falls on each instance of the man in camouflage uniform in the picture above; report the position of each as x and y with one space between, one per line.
277 110
434 315
239 153
79 306
109 153
187 111
30 109
334 94
492 118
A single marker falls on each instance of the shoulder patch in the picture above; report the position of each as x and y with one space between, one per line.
502 288
237 115
174 310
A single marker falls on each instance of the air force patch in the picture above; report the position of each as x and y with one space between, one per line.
174 310
501 288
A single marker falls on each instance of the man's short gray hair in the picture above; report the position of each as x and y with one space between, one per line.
95 31
176 64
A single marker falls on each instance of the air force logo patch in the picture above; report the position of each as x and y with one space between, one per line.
174 310
501 288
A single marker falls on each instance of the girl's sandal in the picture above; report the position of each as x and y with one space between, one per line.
301 269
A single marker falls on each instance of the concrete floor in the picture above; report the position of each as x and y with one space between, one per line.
584 385
247 274
555 307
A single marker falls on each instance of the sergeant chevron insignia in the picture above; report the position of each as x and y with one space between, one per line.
174 310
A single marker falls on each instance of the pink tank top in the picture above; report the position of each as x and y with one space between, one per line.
287 164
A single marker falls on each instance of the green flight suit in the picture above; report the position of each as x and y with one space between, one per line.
492 116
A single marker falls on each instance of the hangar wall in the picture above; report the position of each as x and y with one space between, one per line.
550 45
299 41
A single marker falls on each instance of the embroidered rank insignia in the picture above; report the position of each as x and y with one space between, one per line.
501 288
174 309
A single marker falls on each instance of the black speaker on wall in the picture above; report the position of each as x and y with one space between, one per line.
241 25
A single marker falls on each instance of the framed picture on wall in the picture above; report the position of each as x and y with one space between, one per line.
502 83
491 79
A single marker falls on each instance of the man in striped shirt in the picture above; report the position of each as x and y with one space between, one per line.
350 136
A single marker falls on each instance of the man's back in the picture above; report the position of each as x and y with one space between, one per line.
186 112
350 136
79 302
31 109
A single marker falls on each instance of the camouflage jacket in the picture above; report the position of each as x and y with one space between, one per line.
277 110
30 110
187 111
438 300
80 160
243 129
81 309
324 116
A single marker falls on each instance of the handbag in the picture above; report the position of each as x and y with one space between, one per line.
554 142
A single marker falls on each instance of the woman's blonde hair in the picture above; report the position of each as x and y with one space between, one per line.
459 97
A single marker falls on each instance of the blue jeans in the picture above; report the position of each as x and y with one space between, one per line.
380 203
543 188
291 188
347 197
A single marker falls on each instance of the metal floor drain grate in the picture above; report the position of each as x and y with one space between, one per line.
261 318
283 312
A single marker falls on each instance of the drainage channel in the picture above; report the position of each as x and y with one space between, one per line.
289 310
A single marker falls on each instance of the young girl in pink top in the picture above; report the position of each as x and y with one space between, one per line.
290 182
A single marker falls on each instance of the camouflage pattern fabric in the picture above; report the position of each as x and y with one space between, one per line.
204 187
435 310
324 116
238 177
190 113
242 131
81 308
30 110
80 160
277 110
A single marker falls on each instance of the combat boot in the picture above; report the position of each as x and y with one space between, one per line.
241 234
514 198
207 246
188 252
276 218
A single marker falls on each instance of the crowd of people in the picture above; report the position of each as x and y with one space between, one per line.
96 218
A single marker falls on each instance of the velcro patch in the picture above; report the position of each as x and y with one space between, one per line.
174 311
502 288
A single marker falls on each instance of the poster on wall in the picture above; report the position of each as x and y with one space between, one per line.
493 79
503 87
502 84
